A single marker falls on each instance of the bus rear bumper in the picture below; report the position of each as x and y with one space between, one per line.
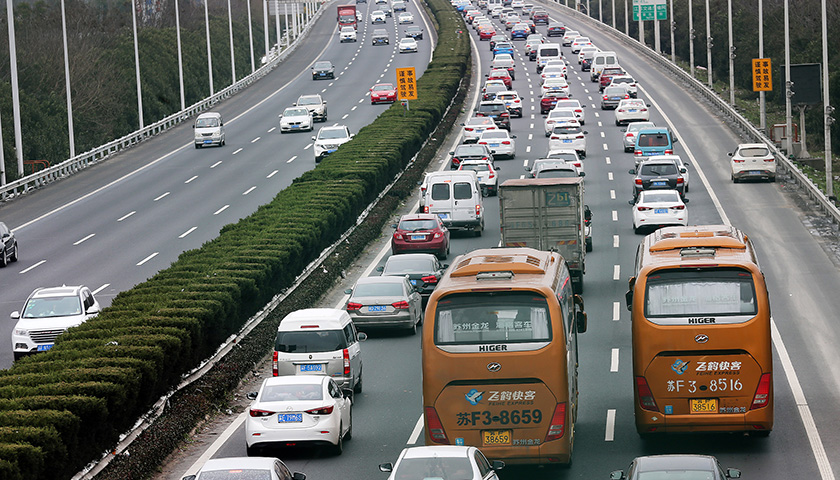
759 422
545 454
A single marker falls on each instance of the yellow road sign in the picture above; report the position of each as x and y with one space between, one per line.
406 84
762 76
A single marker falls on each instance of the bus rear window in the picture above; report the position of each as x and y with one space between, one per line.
684 292
492 317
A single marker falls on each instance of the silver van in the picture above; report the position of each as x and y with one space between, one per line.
456 198
319 341
601 60
209 130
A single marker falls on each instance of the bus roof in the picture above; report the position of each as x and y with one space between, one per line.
505 264
697 243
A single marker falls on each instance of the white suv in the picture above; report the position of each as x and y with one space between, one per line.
329 139
47 313
316 105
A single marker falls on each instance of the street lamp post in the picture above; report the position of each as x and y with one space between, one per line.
731 57
67 85
137 65
232 59
209 52
691 37
709 45
827 108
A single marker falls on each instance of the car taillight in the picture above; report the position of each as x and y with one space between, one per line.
274 364
517 101
638 181
679 180
398 236
669 152
478 210
620 109
557 427
505 114
644 110
626 96
646 401
437 235
629 135
429 279
435 427
353 306
579 137
346 355
578 164
485 158
578 111
738 161
321 411
762 393
402 305
771 159
505 142
482 143
425 209
637 153
468 129
492 175
554 137
678 207
606 98
642 209
255 412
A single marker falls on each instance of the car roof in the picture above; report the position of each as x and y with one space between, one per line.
380 279
418 216
296 379
416 256
259 463
752 145
62 291
667 462
209 115
437 451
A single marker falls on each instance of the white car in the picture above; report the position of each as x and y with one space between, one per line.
630 133
580 42
347 34
555 84
575 105
230 468
556 116
680 165
407 45
299 409
500 142
512 101
475 126
496 12
405 18
631 110
377 16
658 208
585 49
567 135
47 313
209 129
517 4
329 139
488 178
296 119
569 37
628 82
441 462
568 155
560 63
551 168
752 160
552 71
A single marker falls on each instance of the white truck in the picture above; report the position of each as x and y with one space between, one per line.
547 214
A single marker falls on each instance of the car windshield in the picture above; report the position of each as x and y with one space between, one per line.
407 41
754 152
418 224
380 33
312 341
677 474
207 122
556 173
323 65
313 100
652 197
348 29
389 289
412 29
399 265
236 474
383 88
47 307
659 169
455 468
287 393
296 112
332 133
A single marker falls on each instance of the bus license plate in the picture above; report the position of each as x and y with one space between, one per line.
313 367
289 417
496 437
704 405
376 308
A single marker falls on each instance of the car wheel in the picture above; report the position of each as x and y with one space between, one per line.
4 259
14 256
282 131
349 434
338 448
357 388
197 146
771 180
588 244
19 355
412 330
617 123
686 188
223 143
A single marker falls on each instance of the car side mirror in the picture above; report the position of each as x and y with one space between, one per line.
685 200
731 153
527 168
386 467
648 105
298 476
251 395
623 130
294 105
580 319
189 477
15 315
513 136
453 153
675 140
348 291
616 475
585 132
497 168
628 297
497 465
631 202
581 174
194 127
444 266
347 393
92 310
462 126
632 171
683 170
733 473
380 269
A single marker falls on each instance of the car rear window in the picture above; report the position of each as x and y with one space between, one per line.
549 52
754 152
477 318
312 341
286 393
556 174
476 167
653 140
389 289
401 265
462 191
659 169
440 191
236 474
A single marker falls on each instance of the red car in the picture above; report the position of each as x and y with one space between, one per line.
383 92
540 17
501 74
419 233
486 33
606 76
549 100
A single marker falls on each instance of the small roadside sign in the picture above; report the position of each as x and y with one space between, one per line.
406 84
761 74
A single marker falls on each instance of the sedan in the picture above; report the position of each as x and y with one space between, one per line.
407 45
631 110
550 98
491 88
497 39
658 175
559 116
383 92
347 34
546 168
500 142
486 32
574 105
569 36
414 32
296 119
487 174
423 270
442 461
630 133
552 71
405 18
10 246
473 128
568 155
469 151
420 233
676 466
628 82
389 302
378 16
237 468
752 160
579 43
555 84
556 29
501 74
612 96
520 31
292 409
658 208
503 47
323 69
567 135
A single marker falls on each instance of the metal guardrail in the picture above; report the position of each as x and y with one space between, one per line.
747 128
72 165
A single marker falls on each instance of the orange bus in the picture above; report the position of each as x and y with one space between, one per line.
702 353
500 357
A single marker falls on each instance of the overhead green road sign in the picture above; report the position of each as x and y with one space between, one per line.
651 10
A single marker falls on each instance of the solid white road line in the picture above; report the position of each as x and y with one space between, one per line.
127 215
141 262
187 232
221 210
33 266
415 434
83 239
609 435
208 454
614 360
616 311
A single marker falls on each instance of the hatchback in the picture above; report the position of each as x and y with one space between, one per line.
500 142
631 110
473 127
658 175
512 102
752 160
496 110
487 173
501 74
389 302
237 468
658 208
676 466
420 233
567 135
442 462
423 270
294 409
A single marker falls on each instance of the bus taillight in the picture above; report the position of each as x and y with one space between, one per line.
436 431
762 393
646 400
558 423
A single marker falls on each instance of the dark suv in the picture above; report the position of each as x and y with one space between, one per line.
323 69
470 151
658 174
556 29
495 110
379 37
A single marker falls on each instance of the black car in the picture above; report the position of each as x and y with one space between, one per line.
470 151
586 64
323 69
489 92
415 32
10 247
380 37
658 174
497 38
676 466
556 29
423 270
495 110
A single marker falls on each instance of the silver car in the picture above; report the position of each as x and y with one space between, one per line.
295 119
390 302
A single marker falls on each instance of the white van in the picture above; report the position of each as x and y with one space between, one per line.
546 52
456 198
493 3
601 60
209 130
319 341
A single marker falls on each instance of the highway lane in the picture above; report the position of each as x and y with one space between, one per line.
120 222
801 278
